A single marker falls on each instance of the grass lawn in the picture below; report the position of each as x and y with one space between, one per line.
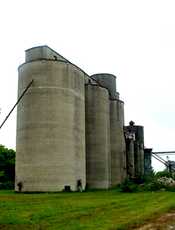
98 210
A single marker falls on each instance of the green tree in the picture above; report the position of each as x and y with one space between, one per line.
7 167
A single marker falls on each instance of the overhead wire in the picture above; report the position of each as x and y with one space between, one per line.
19 99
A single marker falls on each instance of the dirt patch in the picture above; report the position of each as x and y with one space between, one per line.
165 222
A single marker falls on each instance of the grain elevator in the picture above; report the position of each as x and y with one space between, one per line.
70 127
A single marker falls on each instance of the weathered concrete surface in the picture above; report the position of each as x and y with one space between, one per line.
50 147
118 155
97 137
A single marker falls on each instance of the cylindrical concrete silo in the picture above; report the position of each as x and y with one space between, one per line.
117 141
135 150
130 160
123 142
147 161
130 155
108 81
97 137
50 148
139 151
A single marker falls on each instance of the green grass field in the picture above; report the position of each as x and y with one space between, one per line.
98 210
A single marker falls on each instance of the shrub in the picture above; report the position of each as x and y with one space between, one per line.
153 185
129 186
164 173
7 185
7 168
152 182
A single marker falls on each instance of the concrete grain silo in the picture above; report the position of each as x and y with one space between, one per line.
122 142
107 81
147 161
135 150
139 151
117 141
50 143
97 136
130 163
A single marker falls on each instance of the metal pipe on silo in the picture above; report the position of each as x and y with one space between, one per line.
50 143
97 137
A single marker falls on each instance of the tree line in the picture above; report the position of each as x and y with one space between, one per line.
7 168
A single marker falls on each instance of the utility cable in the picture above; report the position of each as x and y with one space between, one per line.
167 152
159 157
159 160
23 93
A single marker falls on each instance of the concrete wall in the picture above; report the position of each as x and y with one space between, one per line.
97 137
50 147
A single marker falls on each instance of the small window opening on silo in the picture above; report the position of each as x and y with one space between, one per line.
55 58
67 188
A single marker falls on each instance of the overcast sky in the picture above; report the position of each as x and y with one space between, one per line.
132 39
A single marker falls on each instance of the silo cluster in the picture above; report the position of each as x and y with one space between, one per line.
70 127
105 145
